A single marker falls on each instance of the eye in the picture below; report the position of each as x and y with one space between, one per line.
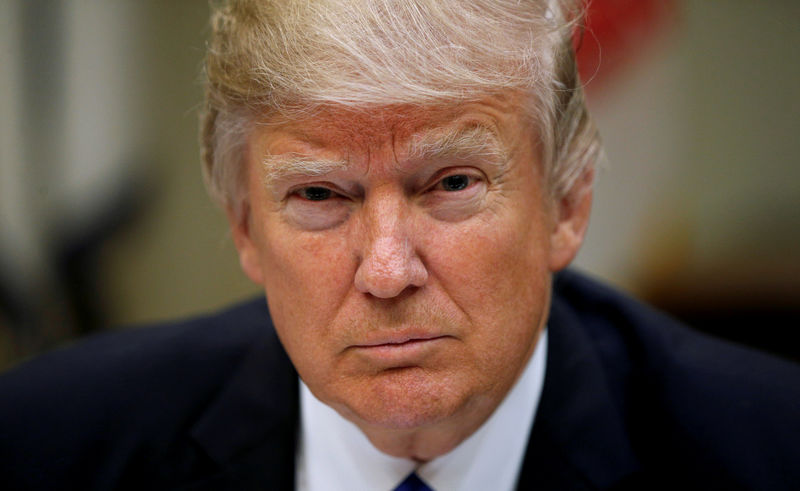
316 207
315 193
455 182
456 195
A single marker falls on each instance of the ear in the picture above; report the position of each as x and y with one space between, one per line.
246 246
571 216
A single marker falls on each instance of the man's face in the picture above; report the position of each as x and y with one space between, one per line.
406 254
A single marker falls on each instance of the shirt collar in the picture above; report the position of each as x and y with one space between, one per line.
334 454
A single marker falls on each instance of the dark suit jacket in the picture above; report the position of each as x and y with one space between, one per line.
631 400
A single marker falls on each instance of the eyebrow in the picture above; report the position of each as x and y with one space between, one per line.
291 165
457 143
463 142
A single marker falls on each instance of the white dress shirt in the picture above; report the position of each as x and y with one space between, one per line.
334 454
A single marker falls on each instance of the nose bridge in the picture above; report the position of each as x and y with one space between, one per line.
388 250
386 219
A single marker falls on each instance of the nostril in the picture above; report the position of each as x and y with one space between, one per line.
382 280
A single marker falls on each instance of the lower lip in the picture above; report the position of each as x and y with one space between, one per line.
411 351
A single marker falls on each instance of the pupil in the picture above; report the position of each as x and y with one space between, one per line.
316 194
455 183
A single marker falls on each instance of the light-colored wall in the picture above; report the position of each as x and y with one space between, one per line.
178 259
703 145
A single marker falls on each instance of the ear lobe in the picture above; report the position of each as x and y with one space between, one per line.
572 220
249 258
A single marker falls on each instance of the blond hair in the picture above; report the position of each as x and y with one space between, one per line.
288 57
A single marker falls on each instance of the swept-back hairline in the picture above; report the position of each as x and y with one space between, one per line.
256 59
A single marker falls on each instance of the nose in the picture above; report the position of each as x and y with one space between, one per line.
389 259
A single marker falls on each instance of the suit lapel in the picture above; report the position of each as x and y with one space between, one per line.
250 429
578 440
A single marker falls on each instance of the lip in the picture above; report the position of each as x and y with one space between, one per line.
399 349
397 339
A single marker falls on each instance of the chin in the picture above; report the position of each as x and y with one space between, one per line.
408 399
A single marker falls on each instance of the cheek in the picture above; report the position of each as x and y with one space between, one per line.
305 264
306 279
502 260
497 275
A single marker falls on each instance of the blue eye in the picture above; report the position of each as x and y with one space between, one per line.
455 183
315 193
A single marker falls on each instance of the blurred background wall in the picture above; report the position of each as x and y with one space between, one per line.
105 221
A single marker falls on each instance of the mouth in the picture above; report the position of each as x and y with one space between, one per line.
398 340
399 350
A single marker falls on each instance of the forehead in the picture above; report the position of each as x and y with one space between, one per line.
365 129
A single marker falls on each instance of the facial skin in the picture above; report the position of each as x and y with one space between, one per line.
409 286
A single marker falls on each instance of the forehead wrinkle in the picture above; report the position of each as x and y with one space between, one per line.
408 134
348 127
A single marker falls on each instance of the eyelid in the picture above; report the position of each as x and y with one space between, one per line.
335 190
471 172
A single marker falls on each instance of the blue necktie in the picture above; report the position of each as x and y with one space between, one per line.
412 483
